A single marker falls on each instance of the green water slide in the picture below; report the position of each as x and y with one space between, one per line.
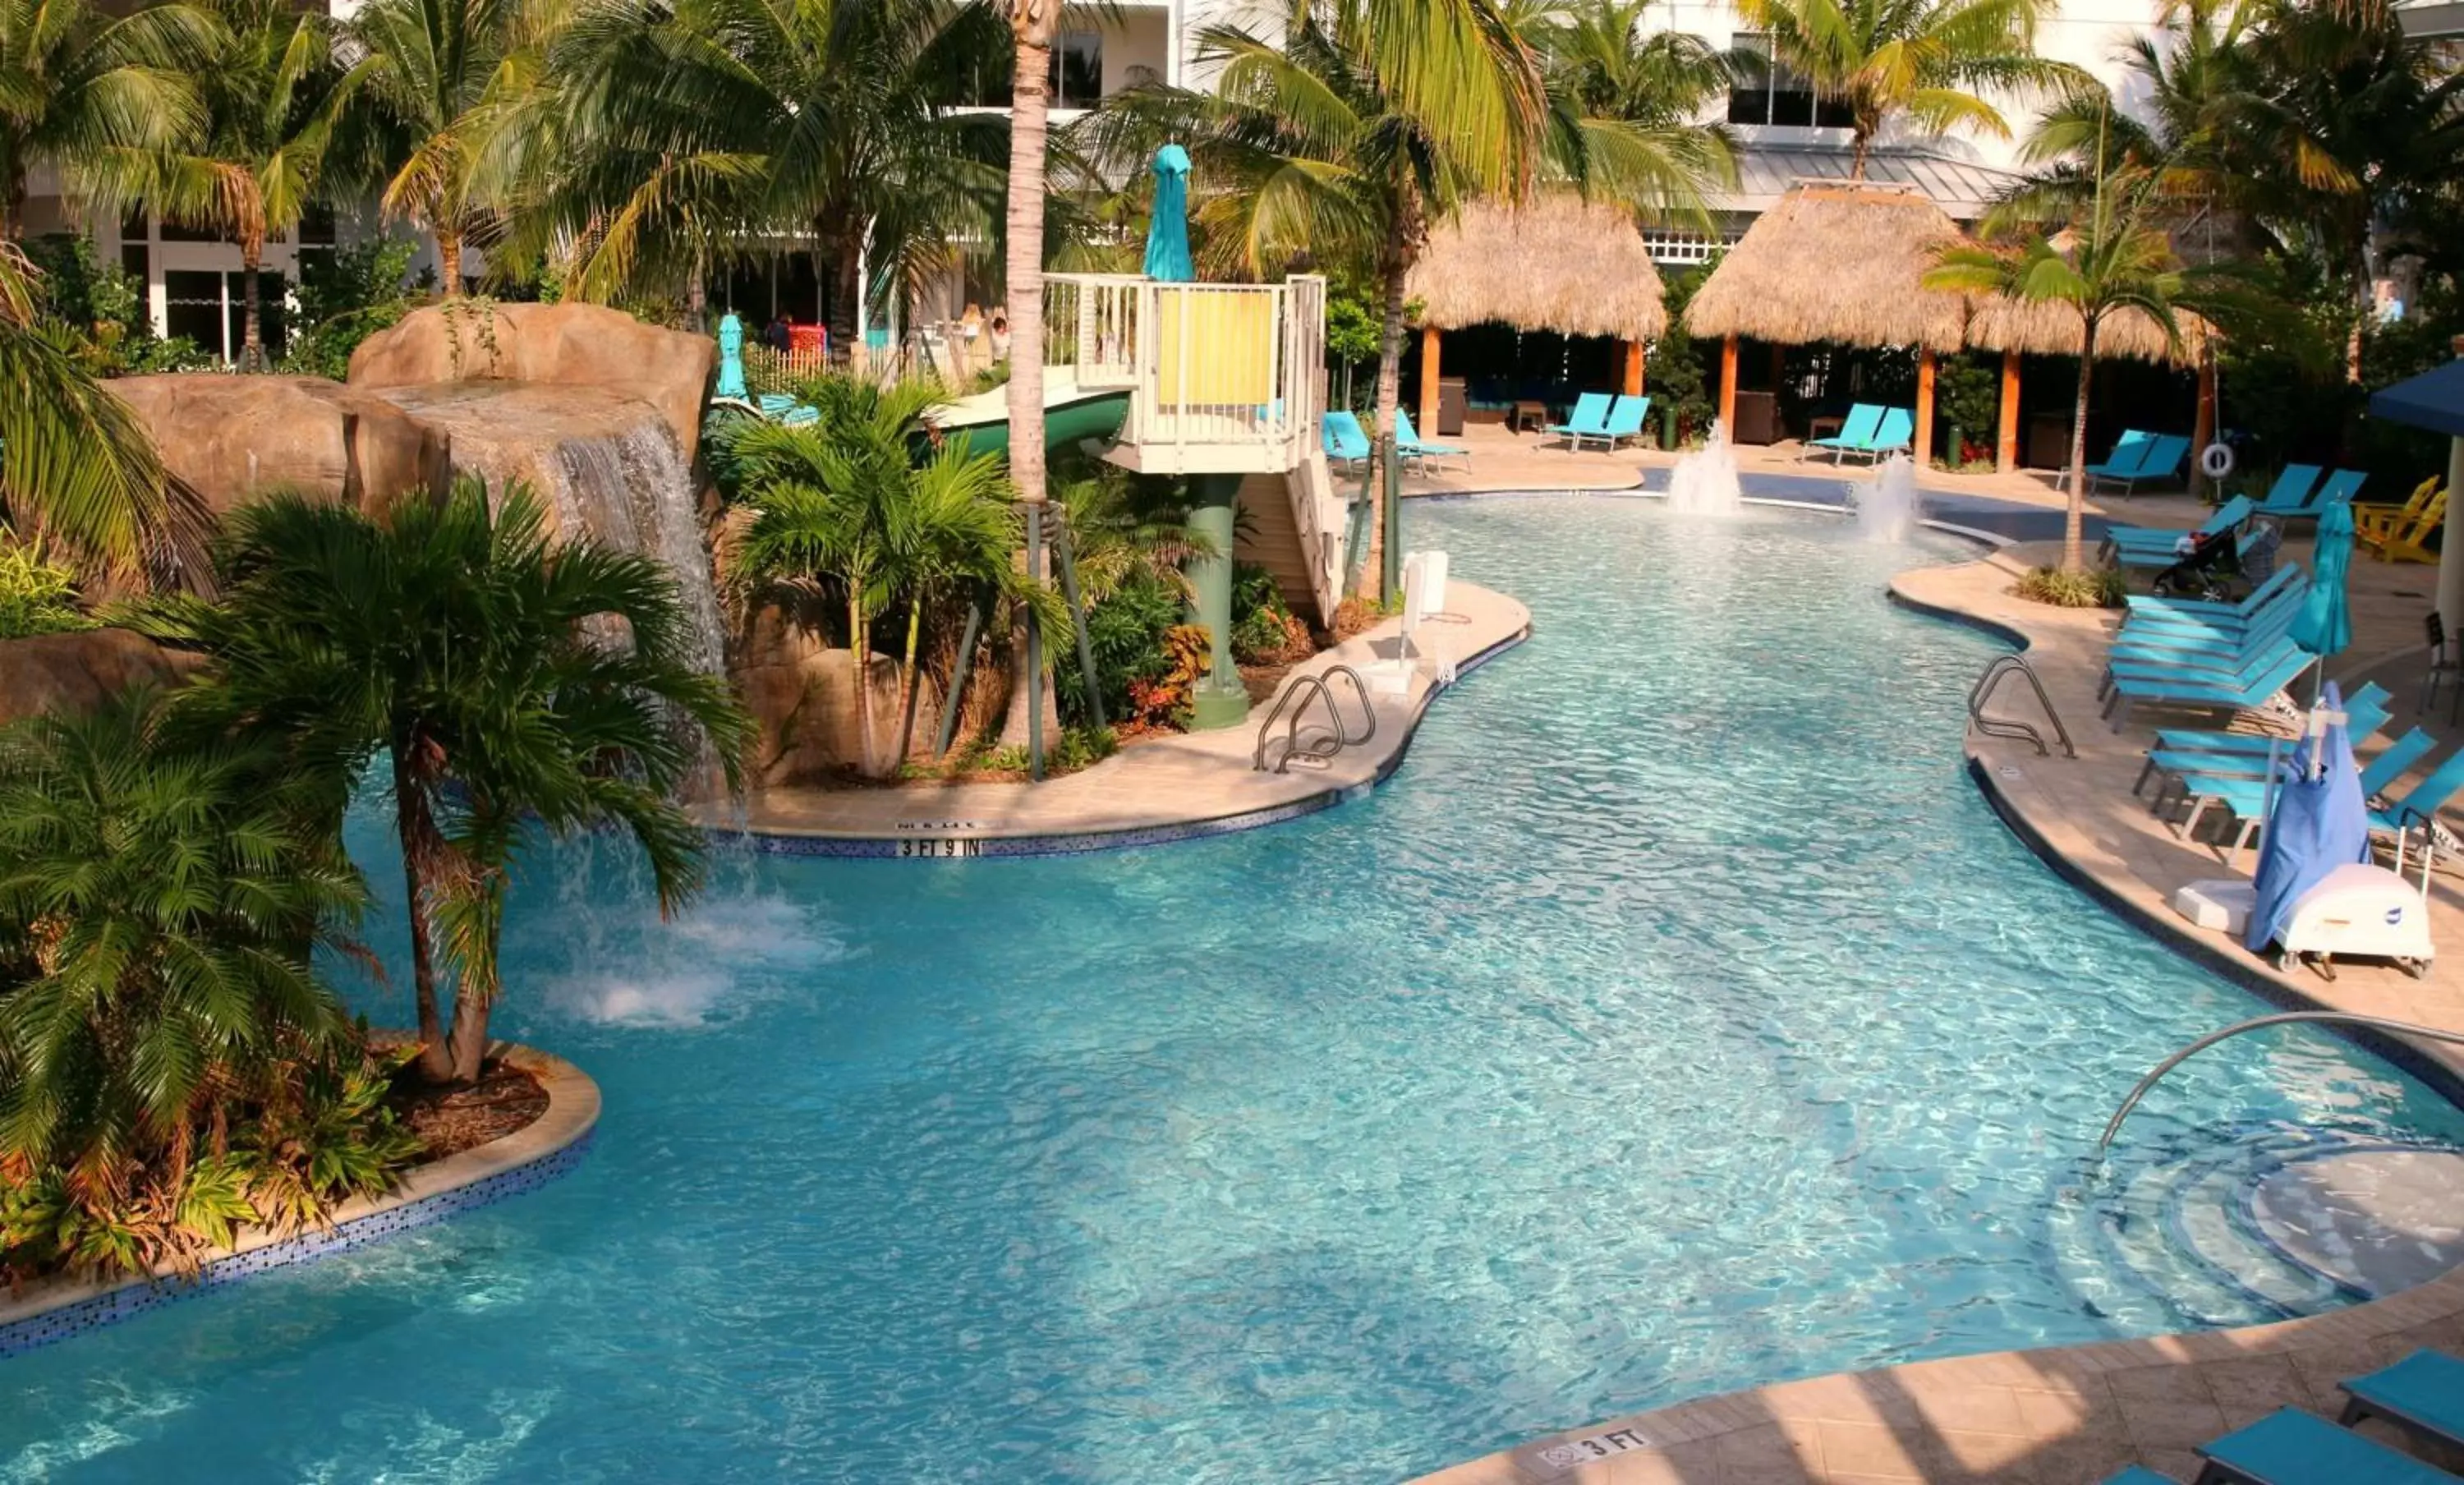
1070 412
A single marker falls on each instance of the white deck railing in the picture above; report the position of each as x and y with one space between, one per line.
1224 378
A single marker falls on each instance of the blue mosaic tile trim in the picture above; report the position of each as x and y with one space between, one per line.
85 1314
876 848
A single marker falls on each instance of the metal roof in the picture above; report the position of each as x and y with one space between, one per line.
1765 170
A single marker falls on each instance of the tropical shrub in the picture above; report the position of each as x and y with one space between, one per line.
169 1065
346 296
37 596
456 643
2073 588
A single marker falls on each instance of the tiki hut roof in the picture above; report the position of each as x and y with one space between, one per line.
1554 263
1835 261
2049 329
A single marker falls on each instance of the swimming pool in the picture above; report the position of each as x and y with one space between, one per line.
1677 1019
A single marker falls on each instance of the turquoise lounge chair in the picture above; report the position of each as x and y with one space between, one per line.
2422 1393
1856 431
2289 1447
2160 546
1891 435
2129 452
1591 420
2163 461
1625 419
1408 444
2369 697
2292 494
2418 809
2237 691
2341 486
2140 1475
1346 441
2245 794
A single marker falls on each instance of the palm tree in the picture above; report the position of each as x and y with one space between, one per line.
661 136
469 652
2109 256
160 903
2340 118
274 96
1346 143
436 77
1625 100
92 95
77 467
1924 60
844 500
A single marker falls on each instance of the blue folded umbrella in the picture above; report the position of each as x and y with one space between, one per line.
2320 822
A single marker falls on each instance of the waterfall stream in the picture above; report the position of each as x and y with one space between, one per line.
634 492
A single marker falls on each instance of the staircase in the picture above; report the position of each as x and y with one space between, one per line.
2195 1231
1291 524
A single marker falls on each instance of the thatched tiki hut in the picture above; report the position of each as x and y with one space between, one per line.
1841 261
2018 328
1554 263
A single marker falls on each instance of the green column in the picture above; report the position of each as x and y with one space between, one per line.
1221 700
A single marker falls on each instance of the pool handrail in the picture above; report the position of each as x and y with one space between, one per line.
2113 1126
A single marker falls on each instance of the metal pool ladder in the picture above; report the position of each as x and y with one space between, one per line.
2002 668
2281 1018
1321 747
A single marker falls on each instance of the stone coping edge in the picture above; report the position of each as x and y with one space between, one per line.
530 1157
887 846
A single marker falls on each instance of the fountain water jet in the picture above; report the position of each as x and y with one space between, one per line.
1886 506
1705 482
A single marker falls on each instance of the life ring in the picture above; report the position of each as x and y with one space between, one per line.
2216 460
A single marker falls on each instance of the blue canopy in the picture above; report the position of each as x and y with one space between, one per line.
2433 400
2320 822
1168 230
2324 626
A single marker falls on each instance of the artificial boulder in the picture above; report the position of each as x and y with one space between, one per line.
557 344
235 437
802 695
78 672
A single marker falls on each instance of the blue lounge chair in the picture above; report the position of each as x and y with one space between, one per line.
2423 1393
1589 421
2292 493
1346 441
2418 809
1408 444
2341 486
2129 452
2236 692
2250 757
2162 460
2161 546
2289 1447
2139 1475
1899 426
1625 419
2208 613
2245 797
1856 431
2368 700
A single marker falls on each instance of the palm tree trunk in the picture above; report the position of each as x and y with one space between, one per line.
251 351
906 687
846 314
1031 24
2075 513
416 829
2361 311
1860 144
1390 374
860 641
449 259
474 997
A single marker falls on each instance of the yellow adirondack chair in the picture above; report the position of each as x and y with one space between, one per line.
2397 533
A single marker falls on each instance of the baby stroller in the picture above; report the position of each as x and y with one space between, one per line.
2212 562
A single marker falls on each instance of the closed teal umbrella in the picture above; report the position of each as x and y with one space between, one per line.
1168 230
2324 626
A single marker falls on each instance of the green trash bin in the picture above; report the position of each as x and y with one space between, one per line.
1668 426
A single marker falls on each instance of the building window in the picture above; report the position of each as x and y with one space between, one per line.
1769 93
1681 247
1078 70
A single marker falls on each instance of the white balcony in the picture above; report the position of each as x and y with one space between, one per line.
1224 378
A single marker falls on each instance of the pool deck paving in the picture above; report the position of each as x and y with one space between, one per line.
2075 1415
1194 783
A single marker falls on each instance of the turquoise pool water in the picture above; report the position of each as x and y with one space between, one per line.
1679 1018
